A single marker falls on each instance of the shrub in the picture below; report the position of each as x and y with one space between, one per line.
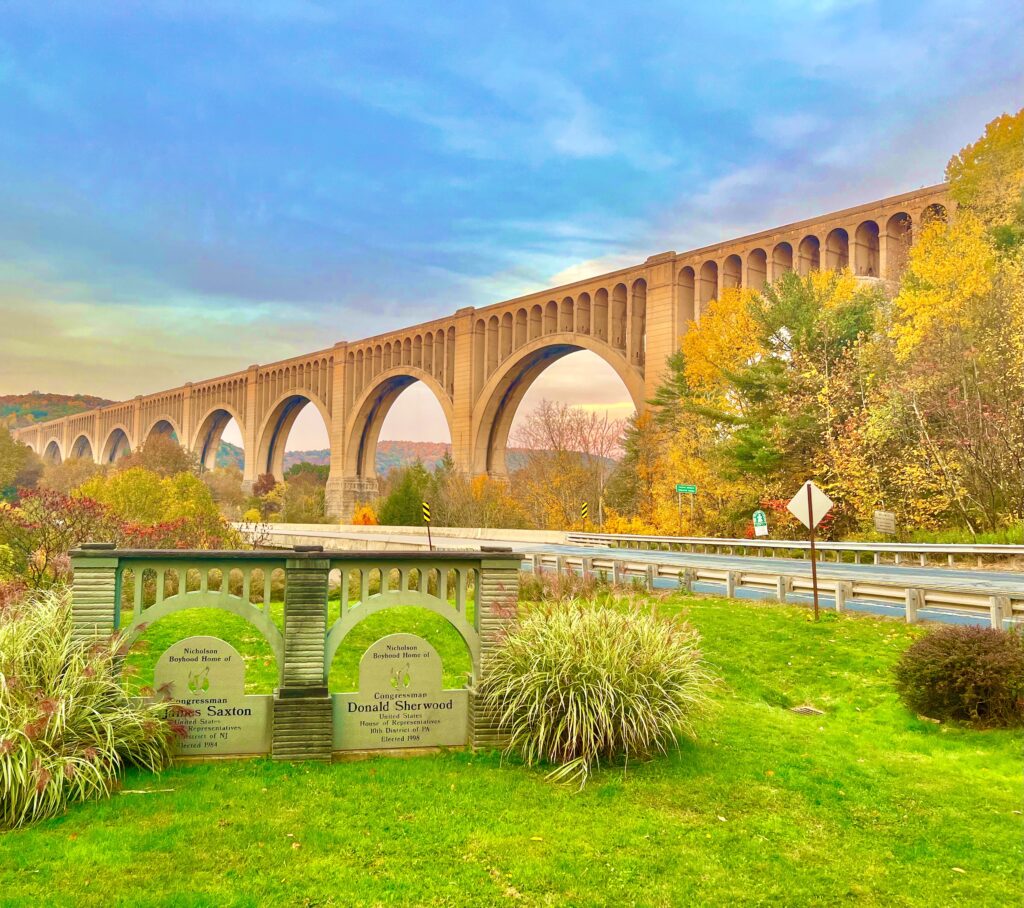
574 685
67 728
969 674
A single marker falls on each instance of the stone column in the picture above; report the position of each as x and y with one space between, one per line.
250 430
339 499
95 592
463 443
303 720
188 431
663 331
497 603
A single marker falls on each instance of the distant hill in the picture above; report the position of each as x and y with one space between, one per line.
39 407
391 455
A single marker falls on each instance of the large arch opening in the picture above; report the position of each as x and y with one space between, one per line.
407 406
116 446
52 453
82 449
567 373
220 441
164 428
294 432
555 432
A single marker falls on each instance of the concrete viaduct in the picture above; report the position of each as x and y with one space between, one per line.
479 363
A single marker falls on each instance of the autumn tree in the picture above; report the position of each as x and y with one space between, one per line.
162 455
567 459
20 468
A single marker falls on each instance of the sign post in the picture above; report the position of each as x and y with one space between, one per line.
809 506
681 490
426 520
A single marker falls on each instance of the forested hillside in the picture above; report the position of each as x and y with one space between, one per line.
38 406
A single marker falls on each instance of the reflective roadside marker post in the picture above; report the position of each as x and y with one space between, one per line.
585 512
426 520
809 506
760 523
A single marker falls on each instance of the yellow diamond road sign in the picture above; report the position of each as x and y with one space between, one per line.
820 504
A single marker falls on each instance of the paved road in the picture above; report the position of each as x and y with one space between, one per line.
998 583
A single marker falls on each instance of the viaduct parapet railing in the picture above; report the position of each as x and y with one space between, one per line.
325 595
480 362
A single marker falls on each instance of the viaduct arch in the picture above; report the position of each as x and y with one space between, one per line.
480 362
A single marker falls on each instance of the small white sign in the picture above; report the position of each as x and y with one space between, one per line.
885 522
820 504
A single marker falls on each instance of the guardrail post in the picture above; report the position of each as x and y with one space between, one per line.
95 592
537 562
783 585
844 591
914 601
651 572
303 717
686 578
730 584
560 564
588 568
877 557
618 571
999 608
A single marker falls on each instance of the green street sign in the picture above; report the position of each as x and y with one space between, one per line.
760 519
686 490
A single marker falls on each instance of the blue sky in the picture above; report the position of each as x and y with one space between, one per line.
189 188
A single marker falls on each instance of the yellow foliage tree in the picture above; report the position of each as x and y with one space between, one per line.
987 176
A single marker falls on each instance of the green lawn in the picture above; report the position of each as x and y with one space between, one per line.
864 805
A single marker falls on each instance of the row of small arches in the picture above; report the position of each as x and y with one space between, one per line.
431 351
701 283
617 317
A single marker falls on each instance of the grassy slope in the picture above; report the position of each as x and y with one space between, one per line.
865 805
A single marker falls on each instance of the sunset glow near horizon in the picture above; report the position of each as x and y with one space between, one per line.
184 192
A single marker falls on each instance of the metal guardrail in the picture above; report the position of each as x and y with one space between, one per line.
917 597
924 553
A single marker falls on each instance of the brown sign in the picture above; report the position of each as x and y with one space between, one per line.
885 522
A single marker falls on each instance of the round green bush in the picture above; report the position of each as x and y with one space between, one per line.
67 727
576 685
967 674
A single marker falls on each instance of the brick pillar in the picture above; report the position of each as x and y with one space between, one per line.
303 726
95 592
497 605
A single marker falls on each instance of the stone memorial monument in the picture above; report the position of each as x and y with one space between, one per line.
206 676
400 702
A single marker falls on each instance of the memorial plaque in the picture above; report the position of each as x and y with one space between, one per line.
400 701
206 676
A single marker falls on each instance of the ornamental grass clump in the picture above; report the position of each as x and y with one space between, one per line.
67 728
966 674
577 685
